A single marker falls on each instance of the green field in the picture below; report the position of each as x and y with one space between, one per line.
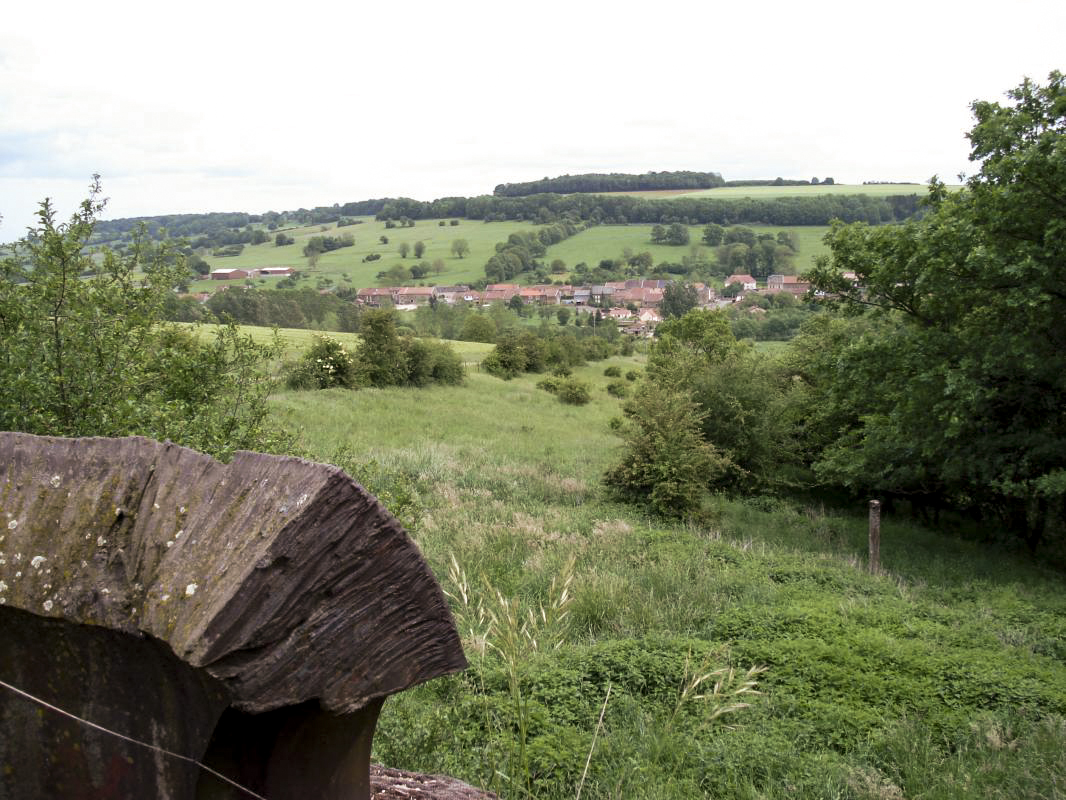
345 266
944 676
608 241
294 341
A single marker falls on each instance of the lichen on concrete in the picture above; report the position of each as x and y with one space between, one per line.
281 581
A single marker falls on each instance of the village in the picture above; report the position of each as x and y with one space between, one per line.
634 304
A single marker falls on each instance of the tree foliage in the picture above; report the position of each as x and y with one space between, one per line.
678 299
325 365
385 358
667 464
86 351
966 346
614 182
706 399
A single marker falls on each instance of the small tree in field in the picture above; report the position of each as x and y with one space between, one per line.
667 464
419 248
380 360
460 248
404 249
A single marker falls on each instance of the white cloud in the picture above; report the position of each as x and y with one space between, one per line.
223 106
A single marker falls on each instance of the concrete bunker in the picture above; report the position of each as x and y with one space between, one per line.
252 616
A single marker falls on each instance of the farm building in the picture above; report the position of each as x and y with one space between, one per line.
230 274
746 281
787 283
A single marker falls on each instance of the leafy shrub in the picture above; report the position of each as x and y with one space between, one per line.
325 365
514 354
612 372
505 361
94 356
632 375
597 349
432 362
617 389
551 384
573 392
667 466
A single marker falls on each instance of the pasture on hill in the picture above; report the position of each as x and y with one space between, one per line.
942 676
345 266
608 241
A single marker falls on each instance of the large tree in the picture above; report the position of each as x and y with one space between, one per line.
967 349
678 299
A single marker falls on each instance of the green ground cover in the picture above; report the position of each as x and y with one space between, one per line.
345 267
944 676
608 241
295 341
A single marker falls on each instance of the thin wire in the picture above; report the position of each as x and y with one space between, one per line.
165 752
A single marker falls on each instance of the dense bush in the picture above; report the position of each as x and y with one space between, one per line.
573 392
387 359
432 362
569 390
667 465
94 357
325 365
612 372
514 354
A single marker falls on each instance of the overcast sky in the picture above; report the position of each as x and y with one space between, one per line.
225 106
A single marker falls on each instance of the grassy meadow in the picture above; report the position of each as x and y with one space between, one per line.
609 241
598 634
345 267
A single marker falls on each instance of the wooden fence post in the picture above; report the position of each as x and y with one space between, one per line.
875 536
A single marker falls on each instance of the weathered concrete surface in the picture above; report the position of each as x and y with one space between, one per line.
276 582
395 784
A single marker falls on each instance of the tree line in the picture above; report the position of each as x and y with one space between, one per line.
591 183
623 209
522 249
612 182
216 230
939 382
284 308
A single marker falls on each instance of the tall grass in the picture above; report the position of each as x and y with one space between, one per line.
942 677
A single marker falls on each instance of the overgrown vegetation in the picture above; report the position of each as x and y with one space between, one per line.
86 351
383 358
943 383
956 318
534 350
943 675
616 650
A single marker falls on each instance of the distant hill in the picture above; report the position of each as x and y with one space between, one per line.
612 182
